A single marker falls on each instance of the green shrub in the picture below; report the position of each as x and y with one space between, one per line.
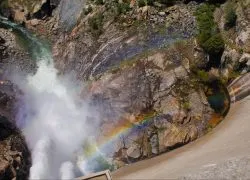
214 45
230 16
150 2
203 75
209 1
88 10
167 2
205 20
141 3
209 37
99 2
216 1
122 8
3 6
95 24
186 105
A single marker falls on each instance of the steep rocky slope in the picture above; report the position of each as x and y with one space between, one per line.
101 41
221 154
143 65
159 98
139 65
12 55
14 154
236 57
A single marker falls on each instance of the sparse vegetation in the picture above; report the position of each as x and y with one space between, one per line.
167 2
29 4
141 3
122 8
3 6
209 36
150 2
88 10
99 2
186 105
214 45
216 1
205 20
203 75
96 23
230 16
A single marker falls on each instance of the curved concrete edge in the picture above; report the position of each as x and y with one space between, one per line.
229 142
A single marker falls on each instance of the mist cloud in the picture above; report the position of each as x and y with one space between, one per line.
55 121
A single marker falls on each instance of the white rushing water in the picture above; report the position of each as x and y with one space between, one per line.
54 121
56 125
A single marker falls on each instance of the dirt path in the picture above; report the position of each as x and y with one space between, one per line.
223 153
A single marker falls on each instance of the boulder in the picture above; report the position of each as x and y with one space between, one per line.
175 136
195 104
22 11
19 16
162 13
245 58
134 152
14 154
230 57
34 22
154 142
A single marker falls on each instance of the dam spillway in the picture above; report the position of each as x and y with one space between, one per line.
239 88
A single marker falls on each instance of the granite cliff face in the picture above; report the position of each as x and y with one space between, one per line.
143 64
11 51
139 67
15 159
91 50
24 10
236 55
159 98
14 154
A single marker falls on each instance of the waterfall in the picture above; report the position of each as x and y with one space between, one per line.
55 122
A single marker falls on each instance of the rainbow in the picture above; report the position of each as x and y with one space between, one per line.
123 128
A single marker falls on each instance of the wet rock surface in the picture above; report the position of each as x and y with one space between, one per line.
13 56
161 109
89 56
235 56
24 10
14 154
139 74
138 64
